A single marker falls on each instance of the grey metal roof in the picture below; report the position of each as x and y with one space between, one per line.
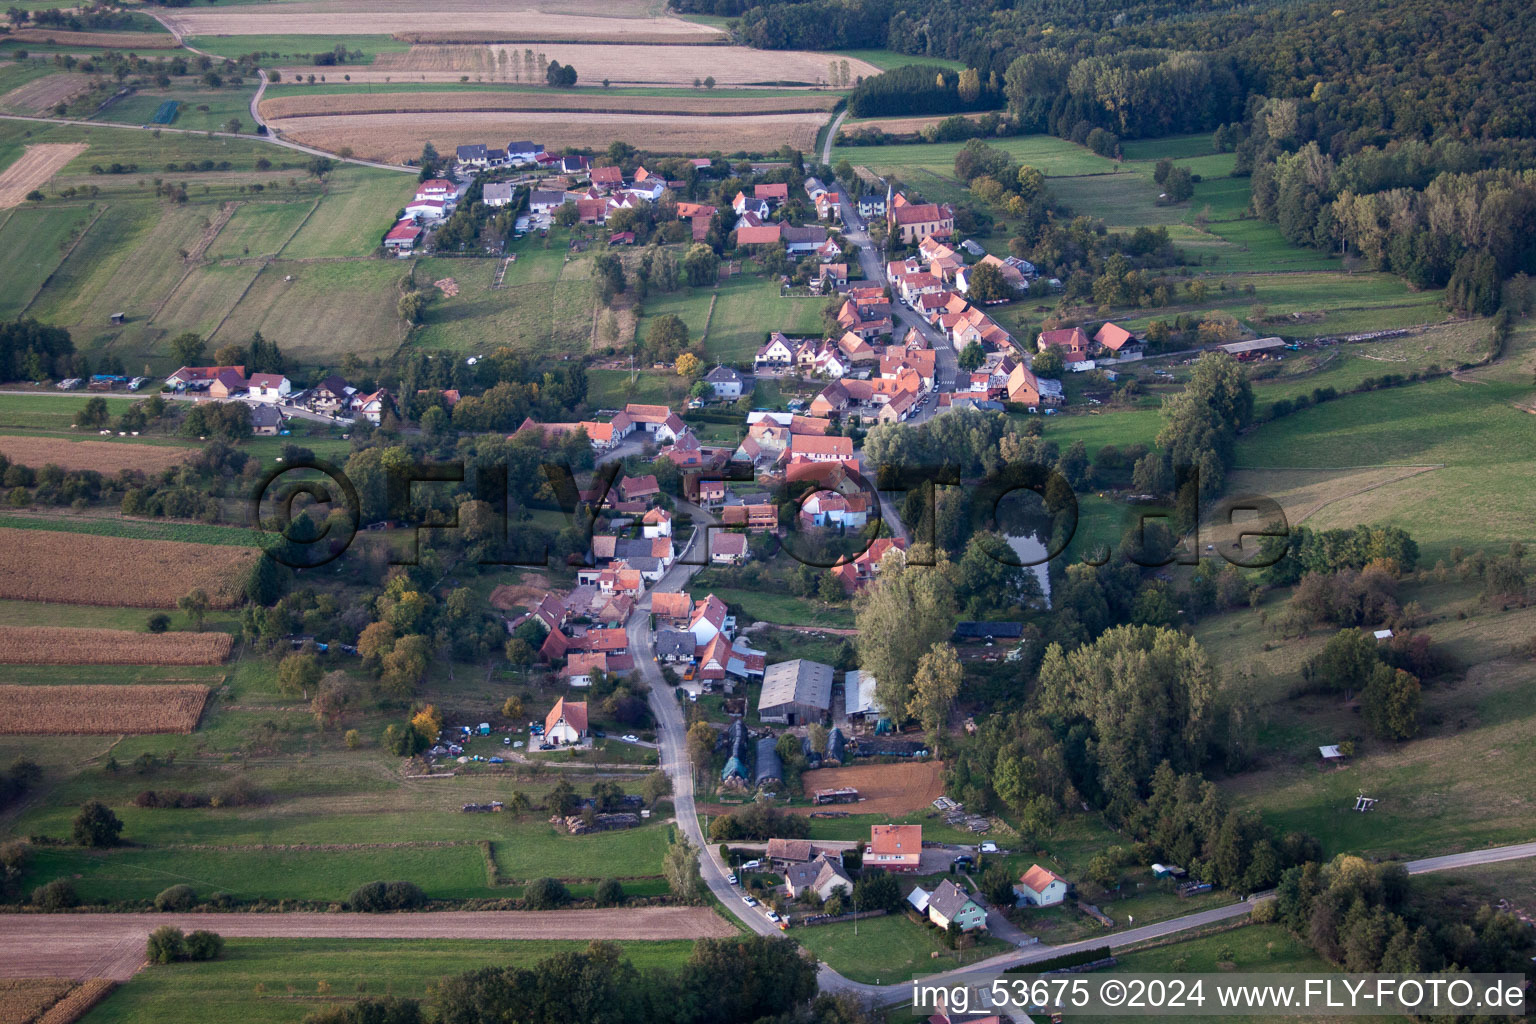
801 681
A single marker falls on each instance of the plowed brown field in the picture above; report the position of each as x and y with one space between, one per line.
584 102
34 170
100 710
621 64
131 41
402 17
39 95
78 568
398 137
885 788
102 456
61 645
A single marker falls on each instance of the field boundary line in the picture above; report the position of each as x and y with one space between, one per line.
294 234
63 259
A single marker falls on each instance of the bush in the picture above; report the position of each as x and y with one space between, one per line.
545 894
374 897
388 1010
96 825
159 622
176 898
56 895
204 945
609 893
166 945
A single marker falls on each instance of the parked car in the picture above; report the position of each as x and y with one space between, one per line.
752 865
630 737
749 901
988 847
772 916
731 878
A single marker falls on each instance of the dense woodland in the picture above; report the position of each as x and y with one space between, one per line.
1399 132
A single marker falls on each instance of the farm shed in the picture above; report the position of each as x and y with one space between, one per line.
795 692
770 768
1256 348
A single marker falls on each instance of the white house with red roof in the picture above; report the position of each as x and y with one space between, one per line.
1041 887
709 619
657 523
566 722
268 387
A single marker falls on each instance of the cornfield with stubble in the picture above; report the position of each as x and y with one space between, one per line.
100 710
79 1002
61 645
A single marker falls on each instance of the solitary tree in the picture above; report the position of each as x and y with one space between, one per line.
934 689
95 414
188 348
96 825
196 606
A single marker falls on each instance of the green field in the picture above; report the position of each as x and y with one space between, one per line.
259 229
139 529
320 310
885 60
1052 155
613 389
279 981
221 104
745 310
37 238
545 303
887 949
360 205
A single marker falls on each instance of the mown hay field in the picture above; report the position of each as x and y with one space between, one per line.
35 169
883 788
39 95
398 137
634 64
102 456
481 18
100 710
25 999
75 568
62 645
586 102
133 41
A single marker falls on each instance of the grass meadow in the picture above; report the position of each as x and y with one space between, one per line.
279 981
888 949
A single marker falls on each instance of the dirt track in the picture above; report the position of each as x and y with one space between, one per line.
112 945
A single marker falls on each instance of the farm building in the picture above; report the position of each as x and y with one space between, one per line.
1257 348
782 853
859 695
1041 887
770 768
566 722
727 548
795 692
402 237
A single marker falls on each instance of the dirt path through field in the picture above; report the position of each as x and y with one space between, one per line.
35 168
112 945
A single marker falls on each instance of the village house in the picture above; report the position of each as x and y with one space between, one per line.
497 194
778 353
728 384
942 261
227 384
828 207
872 205
475 155
331 395
268 387
829 508
833 275
727 548
896 848
816 448
674 645
783 853
657 523
1041 887
767 234
542 202
755 516
1071 342
520 153
672 609
909 223
580 666
374 406
1116 341
948 903
427 211
566 722
708 620
402 238
266 420
657 420
744 204
795 692
823 876
607 177
437 188
201 376
858 572
799 241
773 195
